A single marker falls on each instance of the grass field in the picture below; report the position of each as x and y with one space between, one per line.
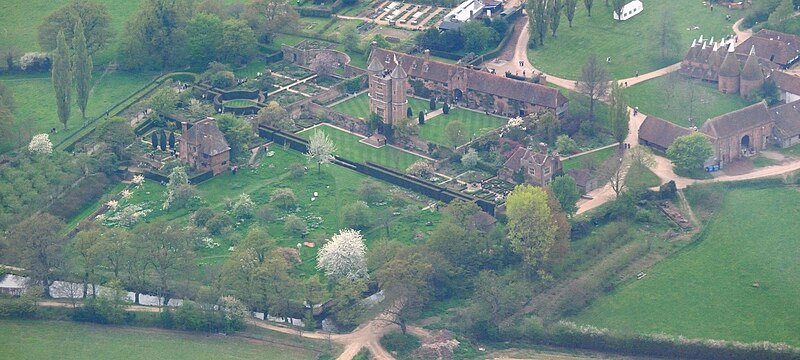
349 147
475 123
630 43
668 97
68 340
598 157
705 290
359 106
36 104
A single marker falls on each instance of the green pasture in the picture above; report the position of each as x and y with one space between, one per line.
359 106
475 123
630 44
707 289
36 104
21 339
677 99
349 147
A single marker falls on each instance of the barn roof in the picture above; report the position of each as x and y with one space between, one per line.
660 132
777 47
736 121
786 82
787 119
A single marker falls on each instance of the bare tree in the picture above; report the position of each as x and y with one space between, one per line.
666 36
617 6
614 169
593 82
588 4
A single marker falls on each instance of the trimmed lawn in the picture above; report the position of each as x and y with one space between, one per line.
36 104
476 123
28 339
349 147
359 106
577 162
705 291
669 97
630 43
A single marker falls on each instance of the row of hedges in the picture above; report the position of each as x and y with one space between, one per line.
87 190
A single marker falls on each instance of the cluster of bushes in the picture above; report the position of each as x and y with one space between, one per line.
474 36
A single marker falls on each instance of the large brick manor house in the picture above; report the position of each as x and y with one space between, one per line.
393 76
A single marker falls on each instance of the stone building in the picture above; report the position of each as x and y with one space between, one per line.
741 133
471 88
738 134
388 96
537 167
203 146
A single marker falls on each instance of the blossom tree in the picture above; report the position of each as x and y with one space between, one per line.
40 144
324 64
344 256
320 149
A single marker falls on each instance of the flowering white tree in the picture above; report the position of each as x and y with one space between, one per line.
244 207
320 149
40 144
344 256
178 188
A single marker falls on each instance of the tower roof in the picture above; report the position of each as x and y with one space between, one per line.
730 66
375 65
399 72
751 70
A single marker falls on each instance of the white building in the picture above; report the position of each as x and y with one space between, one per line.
629 10
461 14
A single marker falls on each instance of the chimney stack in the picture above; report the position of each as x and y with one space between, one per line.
543 148
427 54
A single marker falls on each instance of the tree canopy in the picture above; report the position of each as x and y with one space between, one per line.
94 18
690 151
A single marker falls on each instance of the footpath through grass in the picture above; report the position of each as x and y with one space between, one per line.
630 44
705 291
349 147
67 340
678 99
476 123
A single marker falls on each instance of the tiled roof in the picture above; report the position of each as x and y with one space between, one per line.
777 47
736 121
476 80
660 132
787 119
786 82
208 138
